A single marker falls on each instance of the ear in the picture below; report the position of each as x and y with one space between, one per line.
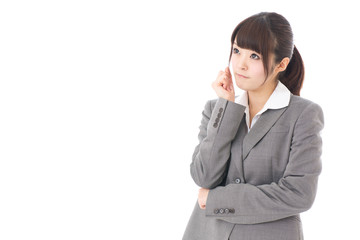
282 65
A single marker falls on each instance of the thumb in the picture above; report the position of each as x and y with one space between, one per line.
227 70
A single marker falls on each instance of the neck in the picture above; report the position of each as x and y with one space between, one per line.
258 98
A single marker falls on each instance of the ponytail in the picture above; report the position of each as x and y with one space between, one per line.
294 74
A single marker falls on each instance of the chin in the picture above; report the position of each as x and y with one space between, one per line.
242 86
247 86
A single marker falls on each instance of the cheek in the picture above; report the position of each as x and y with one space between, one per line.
258 69
232 63
232 67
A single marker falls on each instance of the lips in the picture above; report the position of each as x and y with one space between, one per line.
241 76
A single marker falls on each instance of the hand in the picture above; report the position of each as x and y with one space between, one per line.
224 86
203 194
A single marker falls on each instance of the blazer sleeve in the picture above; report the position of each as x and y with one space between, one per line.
218 128
294 193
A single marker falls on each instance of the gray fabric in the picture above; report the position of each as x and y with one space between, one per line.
260 181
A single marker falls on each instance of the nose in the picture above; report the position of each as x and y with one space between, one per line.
243 63
240 63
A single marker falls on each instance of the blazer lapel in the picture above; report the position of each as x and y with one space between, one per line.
261 127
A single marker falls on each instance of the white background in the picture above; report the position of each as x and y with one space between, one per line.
100 104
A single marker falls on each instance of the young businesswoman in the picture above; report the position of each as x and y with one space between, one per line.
258 157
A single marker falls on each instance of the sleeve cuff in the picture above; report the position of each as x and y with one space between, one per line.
226 116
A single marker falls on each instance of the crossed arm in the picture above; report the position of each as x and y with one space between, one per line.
294 193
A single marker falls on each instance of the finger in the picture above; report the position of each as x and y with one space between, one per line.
227 70
224 80
219 74
226 86
228 75
227 82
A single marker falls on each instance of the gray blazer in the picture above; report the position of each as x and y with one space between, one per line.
260 181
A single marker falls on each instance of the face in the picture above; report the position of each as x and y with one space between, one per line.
248 69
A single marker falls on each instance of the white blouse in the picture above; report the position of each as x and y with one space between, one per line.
279 98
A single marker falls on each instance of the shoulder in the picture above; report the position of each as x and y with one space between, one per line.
302 108
300 102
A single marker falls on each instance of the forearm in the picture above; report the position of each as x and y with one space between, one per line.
292 194
256 204
212 154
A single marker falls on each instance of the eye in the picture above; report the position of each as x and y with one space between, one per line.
254 56
235 50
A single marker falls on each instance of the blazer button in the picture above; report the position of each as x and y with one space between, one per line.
238 180
215 125
219 115
217 120
221 109
216 211
231 210
221 210
227 210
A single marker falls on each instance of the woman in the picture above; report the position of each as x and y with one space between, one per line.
258 157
